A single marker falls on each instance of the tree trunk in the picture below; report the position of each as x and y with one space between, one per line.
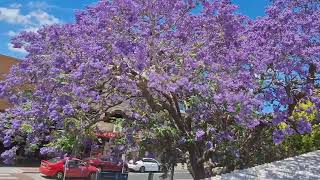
197 169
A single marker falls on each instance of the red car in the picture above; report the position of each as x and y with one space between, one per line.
75 168
108 164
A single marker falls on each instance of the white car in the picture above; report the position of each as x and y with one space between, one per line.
144 165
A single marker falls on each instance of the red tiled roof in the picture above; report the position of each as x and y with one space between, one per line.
6 63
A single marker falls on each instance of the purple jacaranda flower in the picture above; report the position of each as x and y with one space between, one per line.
304 127
7 140
47 150
9 155
200 135
309 110
278 136
277 120
125 47
68 109
253 123
209 145
225 136
85 107
55 115
212 130
238 120
48 138
16 124
289 131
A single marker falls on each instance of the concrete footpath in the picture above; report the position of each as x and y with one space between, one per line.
303 167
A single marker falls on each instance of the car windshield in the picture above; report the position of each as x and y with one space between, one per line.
106 159
54 160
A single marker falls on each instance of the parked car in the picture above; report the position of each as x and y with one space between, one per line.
108 164
75 168
144 165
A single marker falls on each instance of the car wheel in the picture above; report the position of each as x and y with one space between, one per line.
92 176
59 175
142 169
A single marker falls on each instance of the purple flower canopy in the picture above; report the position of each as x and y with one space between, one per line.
154 55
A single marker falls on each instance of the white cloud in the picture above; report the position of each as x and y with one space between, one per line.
43 18
37 17
13 16
39 5
31 29
19 50
30 21
28 29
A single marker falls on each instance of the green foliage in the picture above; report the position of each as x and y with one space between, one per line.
165 132
26 128
303 111
65 143
299 144
120 141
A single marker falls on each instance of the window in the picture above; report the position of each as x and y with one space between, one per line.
149 160
73 163
54 160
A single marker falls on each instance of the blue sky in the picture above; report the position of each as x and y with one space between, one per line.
19 15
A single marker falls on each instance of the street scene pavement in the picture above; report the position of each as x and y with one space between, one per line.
8 173
95 88
21 173
306 166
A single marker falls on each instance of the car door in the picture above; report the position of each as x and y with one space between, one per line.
73 168
84 169
147 164
154 165
107 164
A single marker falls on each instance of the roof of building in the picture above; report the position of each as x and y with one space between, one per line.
6 63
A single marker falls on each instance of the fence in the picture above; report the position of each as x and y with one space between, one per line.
112 176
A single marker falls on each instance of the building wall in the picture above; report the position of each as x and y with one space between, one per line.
5 64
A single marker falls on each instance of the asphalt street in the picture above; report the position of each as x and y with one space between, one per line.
11 173
180 175
16 173
132 176
302 167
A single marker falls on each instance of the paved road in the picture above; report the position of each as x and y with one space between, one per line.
10 176
180 175
12 173
304 167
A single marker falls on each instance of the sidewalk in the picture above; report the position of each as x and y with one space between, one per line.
181 167
306 166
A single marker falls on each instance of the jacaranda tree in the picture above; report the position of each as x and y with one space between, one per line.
195 68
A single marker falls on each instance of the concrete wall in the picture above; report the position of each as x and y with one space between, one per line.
5 64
